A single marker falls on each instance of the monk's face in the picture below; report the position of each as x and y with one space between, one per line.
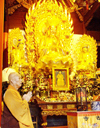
18 81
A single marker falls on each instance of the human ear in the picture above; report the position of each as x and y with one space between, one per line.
13 81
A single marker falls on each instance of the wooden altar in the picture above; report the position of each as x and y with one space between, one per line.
54 108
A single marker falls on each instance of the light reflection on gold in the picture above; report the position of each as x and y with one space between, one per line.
49 34
49 27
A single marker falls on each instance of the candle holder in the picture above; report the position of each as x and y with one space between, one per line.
81 99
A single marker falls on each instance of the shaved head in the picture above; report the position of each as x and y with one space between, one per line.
13 75
15 80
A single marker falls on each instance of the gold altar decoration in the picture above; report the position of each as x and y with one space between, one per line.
86 53
16 49
17 58
57 112
27 3
49 44
48 36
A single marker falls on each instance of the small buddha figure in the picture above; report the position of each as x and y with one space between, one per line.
85 58
18 54
60 79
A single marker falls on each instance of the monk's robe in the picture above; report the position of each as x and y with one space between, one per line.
19 108
8 120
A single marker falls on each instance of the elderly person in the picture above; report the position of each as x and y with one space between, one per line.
16 113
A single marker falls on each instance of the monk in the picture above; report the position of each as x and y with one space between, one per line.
16 112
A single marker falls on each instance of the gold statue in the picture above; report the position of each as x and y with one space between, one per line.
60 79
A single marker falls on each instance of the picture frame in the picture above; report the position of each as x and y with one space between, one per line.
60 79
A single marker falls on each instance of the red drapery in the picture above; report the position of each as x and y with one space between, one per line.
1 42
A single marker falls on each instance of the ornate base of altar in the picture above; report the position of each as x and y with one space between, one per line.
83 119
54 108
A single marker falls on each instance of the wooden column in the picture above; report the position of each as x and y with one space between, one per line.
1 42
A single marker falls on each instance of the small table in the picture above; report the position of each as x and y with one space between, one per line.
83 119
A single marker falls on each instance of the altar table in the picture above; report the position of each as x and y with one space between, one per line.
83 119
54 108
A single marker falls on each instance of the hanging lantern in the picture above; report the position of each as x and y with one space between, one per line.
81 99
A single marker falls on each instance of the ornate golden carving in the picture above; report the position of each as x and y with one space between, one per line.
16 48
70 106
13 8
73 6
27 3
48 35
49 106
44 124
79 15
86 54
54 112
59 106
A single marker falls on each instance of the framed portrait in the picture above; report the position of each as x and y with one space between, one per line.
60 79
